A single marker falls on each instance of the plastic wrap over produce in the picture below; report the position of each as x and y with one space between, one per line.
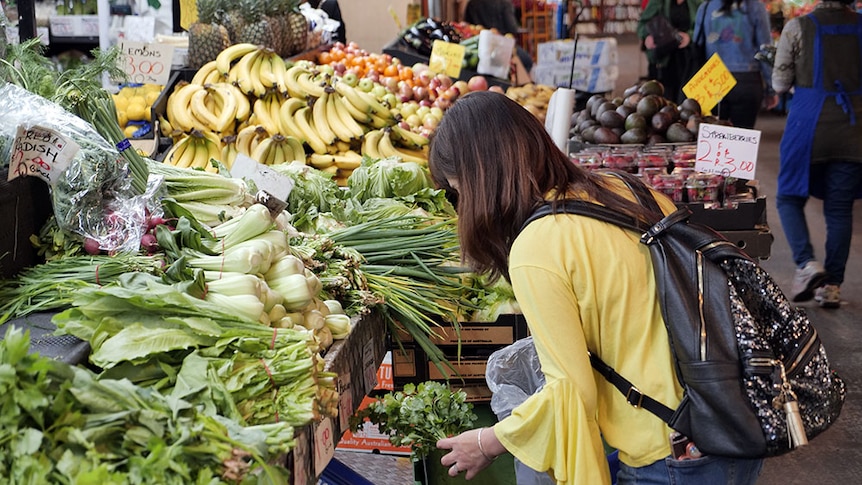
92 197
513 374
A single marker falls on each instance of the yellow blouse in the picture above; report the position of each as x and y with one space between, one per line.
585 284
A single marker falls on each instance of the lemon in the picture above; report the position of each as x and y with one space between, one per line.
122 119
121 102
130 130
151 97
137 110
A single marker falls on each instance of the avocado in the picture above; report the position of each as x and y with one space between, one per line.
606 136
685 114
631 90
660 121
606 106
678 133
594 100
672 111
588 133
634 136
632 100
636 120
691 104
649 105
611 119
583 125
656 138
624 111
651 87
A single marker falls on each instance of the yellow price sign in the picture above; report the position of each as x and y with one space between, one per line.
446 57
188 13
710 84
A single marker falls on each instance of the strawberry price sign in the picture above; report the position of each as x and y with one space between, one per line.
728 151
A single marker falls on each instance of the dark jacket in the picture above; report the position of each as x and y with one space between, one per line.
656 7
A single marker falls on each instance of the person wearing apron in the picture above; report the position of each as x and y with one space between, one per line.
821 149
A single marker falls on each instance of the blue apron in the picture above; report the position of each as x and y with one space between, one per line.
794 174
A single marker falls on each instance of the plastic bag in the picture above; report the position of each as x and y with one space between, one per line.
92 197
495 54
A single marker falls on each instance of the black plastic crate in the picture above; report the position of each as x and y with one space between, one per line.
25 205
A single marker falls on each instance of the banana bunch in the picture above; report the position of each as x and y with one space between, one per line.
278 149
214 107
379 144
195 150
255 70
340 164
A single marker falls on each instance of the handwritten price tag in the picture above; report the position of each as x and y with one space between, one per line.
710 84
446 57
324 445
41 152
147 63
727 151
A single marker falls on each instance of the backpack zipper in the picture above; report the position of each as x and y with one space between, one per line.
700 300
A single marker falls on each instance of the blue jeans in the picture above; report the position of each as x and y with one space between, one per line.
709 470
842 183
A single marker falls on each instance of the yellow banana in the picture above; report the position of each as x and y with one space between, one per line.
378 122
321 160
261 153
286 117
279 70
229 105
347 160
357 114
387 149
257 84
262 113
202 152
205 73
241 73
370 143
320 120
351 96
188 156
300 84
178 109
275 102
213 147
228 151
376 106
309 133
409 138
296 148
266 72
177 150
280 147
243 105
165 127
200 111
231 54
344 117
246 137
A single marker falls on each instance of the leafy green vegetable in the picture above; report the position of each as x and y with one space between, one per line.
418 416
387 177
63 425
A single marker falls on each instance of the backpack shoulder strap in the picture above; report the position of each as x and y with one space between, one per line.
632 394
588 209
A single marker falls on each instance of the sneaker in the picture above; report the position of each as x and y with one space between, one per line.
828 296
807 278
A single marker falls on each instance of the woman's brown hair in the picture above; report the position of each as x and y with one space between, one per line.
504 165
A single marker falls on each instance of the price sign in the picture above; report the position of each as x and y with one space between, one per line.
345 399
147 63
324 445
728 151
711 83
41 152
446 57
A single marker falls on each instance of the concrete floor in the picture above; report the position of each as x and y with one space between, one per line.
835 457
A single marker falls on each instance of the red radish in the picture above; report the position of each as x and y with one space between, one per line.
149 243
92 246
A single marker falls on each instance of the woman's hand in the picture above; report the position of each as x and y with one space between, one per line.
649 42
466 456
684 39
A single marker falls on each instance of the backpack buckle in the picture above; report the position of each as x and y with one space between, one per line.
634 397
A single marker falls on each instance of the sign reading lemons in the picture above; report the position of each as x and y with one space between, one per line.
446 57
711 83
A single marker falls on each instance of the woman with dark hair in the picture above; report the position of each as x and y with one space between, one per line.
584 286
673 69
819 55
735 29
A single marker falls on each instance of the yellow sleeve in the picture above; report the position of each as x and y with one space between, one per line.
556 429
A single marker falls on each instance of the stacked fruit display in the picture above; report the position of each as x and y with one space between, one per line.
641 116
134 113
276 24
250 101
533 97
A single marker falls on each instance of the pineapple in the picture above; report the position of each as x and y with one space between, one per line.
232 18
206 37
257 29
296 30
274 11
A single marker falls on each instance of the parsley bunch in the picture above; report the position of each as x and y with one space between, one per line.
418 416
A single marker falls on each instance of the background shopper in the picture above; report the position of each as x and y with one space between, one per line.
333 10
500 15
820 56
570 274
735 29
675 69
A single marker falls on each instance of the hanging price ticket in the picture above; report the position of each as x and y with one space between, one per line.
40 152
728 151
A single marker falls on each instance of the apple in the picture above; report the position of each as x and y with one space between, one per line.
326 69
430 121
420 92
496 89
443 102
365 84
340 68
445 81
350 79
436 111
423 110
477 83
414 120
390 100
408 109
462 86
379 90
391 82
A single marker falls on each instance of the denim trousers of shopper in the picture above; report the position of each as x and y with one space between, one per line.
842 182
709 470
